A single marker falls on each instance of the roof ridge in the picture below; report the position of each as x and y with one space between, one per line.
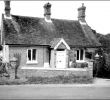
44 18
26 16
64 19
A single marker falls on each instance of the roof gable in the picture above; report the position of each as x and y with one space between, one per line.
58 42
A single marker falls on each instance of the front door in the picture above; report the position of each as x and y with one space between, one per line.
61 59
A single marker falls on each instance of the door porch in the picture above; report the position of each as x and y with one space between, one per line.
59 54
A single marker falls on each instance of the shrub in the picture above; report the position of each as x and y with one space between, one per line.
102 66
82 65
107 59
74 65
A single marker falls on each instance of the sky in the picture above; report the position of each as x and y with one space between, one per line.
97 12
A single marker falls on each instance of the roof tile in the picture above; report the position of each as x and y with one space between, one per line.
36 31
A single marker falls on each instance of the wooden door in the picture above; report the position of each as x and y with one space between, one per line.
60 59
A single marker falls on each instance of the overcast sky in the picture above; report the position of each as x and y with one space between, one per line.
97 12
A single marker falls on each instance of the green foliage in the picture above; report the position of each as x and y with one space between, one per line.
84 65
105 41
73 65
102 65
107 62
81 65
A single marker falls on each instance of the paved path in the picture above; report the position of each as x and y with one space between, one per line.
68 91
100 81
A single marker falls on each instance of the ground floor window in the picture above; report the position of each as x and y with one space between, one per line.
80 54
32 55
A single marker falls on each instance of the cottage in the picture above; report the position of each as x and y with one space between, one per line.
47 43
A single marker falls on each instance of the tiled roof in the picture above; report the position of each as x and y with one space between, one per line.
36 31
54 42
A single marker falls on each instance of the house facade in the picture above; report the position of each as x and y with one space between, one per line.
45 42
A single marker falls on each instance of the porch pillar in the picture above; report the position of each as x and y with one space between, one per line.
52 59
5 53
67 58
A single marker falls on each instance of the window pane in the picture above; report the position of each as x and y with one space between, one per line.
34 54
81 54
77 54
29 54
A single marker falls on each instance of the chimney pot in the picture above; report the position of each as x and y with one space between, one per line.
81 12
47 11
7 8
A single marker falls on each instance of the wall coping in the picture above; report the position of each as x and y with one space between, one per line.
66 69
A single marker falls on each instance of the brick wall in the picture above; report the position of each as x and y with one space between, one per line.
42 58
42 55
22 73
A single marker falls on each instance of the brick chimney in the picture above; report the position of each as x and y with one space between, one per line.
81 13
47 12
7 8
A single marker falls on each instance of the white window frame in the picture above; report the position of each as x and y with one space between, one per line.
83 60
31 61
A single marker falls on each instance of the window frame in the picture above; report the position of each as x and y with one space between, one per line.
31 61
79 60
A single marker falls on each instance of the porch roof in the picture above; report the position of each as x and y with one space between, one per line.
57 42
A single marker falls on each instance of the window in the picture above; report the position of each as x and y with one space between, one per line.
80 54
32 55
77 54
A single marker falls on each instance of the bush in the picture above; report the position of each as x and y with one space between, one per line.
107 59
73 65
82 65
102 66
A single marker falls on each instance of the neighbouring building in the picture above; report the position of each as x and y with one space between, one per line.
47 43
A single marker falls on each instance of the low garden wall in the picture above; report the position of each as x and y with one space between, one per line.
49 76
53 72
79 72
53 76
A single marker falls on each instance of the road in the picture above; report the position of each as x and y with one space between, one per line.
54 92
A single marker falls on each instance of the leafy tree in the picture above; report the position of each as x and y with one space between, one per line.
102 65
